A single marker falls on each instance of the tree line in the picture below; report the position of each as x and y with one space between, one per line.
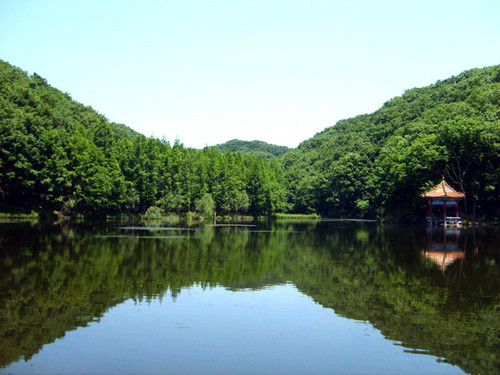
257 148
377 165
57 154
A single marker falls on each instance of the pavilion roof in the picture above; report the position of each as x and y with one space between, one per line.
443 190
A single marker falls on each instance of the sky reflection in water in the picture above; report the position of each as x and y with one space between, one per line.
281 297
216 331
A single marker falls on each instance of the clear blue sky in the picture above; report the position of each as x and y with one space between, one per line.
207 71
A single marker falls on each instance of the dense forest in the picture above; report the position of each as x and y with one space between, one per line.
59 155
377 165
56 154
257 148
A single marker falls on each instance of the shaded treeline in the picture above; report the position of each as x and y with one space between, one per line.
56 154
364 272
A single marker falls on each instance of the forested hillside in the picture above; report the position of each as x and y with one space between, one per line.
257 148
56 154
379 164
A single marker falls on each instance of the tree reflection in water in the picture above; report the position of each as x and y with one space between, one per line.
56 278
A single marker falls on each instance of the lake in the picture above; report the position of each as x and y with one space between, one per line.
266 297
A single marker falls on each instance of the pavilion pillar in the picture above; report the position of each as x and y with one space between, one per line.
429 212
444 213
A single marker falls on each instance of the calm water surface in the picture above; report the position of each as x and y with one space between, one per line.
318 297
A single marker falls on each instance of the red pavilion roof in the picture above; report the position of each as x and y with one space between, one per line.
443 190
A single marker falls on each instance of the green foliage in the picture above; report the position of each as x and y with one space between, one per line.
56 154
205 205
256 148
153 212
378 164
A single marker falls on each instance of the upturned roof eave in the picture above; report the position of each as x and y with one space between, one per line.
443 190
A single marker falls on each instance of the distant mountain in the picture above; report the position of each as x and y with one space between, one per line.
257 148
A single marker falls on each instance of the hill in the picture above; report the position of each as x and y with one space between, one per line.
378 164
257 148
26 97
57 154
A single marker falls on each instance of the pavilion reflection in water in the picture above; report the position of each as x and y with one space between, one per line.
443 246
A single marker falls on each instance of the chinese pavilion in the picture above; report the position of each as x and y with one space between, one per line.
442 200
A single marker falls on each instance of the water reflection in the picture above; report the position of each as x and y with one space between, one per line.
219 331
58 278
443 246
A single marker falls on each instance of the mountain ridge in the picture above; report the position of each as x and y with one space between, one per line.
255 147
